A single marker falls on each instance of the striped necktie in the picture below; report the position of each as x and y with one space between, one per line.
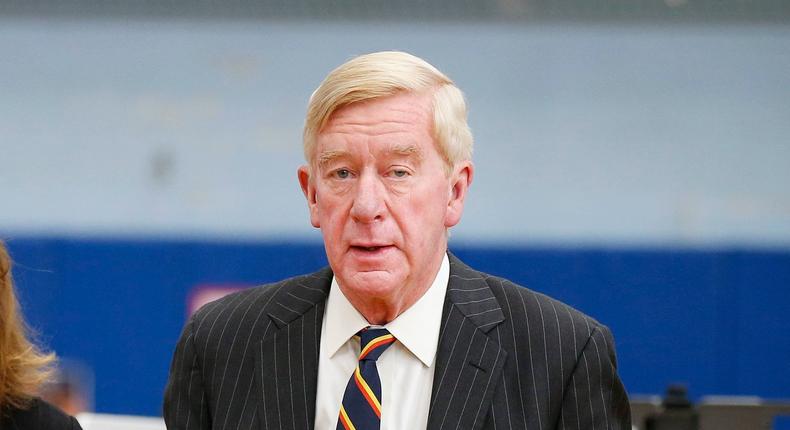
361 407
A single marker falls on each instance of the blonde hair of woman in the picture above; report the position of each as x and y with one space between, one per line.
23 366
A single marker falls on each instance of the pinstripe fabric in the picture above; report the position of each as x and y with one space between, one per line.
508 358
511 358
248 360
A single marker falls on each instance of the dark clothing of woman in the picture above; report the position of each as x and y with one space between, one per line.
38 415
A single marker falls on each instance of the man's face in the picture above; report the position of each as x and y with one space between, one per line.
381 194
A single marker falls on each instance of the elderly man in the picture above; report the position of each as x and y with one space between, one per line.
397 333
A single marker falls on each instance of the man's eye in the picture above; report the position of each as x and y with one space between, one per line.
400 173
342 173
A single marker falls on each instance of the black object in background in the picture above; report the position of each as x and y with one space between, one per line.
678 413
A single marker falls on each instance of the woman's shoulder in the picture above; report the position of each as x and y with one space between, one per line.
38 415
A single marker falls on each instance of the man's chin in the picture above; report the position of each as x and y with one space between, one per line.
371 276
373 282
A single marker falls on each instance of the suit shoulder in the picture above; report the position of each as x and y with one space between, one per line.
520 303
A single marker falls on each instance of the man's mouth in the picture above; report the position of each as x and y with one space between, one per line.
369 248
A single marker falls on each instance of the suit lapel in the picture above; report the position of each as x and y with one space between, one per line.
468 363
286 362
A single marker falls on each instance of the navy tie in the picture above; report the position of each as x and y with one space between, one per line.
361 407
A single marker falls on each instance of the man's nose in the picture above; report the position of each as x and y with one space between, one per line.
369 199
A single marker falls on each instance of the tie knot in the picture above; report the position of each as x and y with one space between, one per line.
373 342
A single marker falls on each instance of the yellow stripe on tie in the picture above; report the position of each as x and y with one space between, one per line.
345 419
373 344
367 393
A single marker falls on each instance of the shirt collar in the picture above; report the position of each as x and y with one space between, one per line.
417 328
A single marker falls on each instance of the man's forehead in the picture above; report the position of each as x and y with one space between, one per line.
384 112
412 100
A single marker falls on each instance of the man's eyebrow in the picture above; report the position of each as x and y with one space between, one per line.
327 157
407 150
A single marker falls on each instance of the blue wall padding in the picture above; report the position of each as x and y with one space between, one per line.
718 320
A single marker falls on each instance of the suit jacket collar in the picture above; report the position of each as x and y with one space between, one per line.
286 361
468 362
469 293
293 303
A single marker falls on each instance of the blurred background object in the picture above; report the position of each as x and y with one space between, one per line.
632 160
677 412
93 421
72 387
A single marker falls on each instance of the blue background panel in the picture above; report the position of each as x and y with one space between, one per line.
714 319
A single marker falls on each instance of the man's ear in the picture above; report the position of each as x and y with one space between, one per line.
460 181
308 189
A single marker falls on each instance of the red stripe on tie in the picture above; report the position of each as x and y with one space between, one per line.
389 339
345 420
366 395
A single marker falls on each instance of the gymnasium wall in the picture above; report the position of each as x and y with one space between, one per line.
637 172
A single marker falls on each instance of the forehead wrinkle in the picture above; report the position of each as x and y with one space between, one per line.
370 128
348 111
341 120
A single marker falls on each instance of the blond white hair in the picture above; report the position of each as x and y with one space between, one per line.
23 366
383 74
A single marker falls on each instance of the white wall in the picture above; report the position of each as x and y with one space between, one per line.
584 134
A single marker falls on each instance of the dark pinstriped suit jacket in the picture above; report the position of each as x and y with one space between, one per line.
508 358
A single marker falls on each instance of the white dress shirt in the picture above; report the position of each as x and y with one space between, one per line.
406 368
